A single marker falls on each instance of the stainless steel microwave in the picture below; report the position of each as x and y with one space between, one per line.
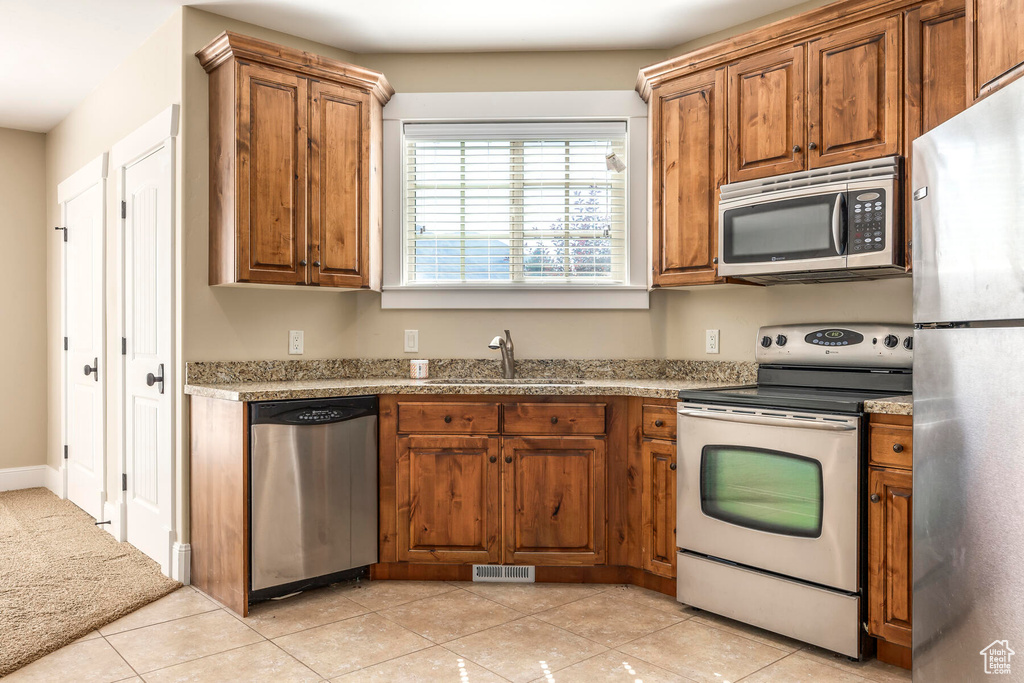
824 225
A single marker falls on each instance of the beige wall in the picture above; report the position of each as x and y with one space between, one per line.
23 232
141 87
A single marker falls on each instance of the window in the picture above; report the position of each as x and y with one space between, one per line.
514 204
499 200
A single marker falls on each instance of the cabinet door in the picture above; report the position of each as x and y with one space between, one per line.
449 506
339 154
854 94
688 156
889 554
554 495
995 44
659 507
271 199
935 36
766 114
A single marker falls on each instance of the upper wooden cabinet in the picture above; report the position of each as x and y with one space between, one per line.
995 44
766 114
295 172
688 162
854 94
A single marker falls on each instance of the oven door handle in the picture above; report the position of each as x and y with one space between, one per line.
837 225
770 421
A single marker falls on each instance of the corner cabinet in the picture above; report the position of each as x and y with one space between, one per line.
295 166
890 503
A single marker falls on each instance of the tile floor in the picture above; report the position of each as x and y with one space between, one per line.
434 631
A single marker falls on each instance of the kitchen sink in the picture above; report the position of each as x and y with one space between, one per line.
524 380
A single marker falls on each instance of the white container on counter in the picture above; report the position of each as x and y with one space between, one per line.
419 369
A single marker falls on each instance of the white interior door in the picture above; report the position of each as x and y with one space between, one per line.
148 386
84 363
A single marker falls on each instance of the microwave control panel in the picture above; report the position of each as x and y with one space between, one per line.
848 344
867 221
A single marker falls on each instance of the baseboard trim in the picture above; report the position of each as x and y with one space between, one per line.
56 481
181 562
117 514
14 478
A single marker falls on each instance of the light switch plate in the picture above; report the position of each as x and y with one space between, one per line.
712 341
412 341
295 342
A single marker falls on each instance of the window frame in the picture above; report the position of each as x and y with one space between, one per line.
516 107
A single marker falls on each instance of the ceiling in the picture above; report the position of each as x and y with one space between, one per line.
55 52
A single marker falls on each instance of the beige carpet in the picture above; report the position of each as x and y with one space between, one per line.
62 577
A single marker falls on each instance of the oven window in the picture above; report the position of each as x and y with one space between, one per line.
784 230
762 489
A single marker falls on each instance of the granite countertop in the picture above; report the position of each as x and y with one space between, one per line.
322 388
897 405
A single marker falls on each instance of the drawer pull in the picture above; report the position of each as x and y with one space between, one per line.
672 467
897 447
447 419
554 419
508 459
494 458
875 498
659 423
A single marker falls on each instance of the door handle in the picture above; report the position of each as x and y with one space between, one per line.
837 225
771 421
152 379
93 369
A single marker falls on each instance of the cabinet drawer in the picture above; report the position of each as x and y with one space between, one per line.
554 418
448 418
891 446
660 422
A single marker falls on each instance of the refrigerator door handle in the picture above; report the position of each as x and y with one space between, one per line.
920 193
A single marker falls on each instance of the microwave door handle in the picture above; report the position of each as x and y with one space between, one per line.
837 225
770 421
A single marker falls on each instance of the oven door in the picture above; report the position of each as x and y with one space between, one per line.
771 489
784 232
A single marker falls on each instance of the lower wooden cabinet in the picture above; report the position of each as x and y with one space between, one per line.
890 538
659 507
448 499
554 493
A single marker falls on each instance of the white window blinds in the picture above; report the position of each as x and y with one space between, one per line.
514 204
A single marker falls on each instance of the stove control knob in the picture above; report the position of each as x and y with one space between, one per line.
908 343
781 340
891 340
766 341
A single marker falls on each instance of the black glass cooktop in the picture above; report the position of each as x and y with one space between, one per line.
838 391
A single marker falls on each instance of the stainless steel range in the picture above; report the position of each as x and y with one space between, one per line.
769 514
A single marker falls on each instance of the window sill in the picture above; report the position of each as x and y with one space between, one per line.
564 298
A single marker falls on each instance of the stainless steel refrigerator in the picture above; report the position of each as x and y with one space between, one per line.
968 508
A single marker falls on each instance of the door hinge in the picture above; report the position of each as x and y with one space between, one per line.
65 343
65 233
65 451
124 209
124 481
124 346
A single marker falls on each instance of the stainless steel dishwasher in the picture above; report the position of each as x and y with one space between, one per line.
313 492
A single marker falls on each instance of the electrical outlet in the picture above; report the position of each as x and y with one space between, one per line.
412 341
712 341
295 342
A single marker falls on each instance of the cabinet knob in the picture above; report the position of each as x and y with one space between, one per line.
494 458
897 447
875 498
659 423
813 145
715 260
508 459
447 419
302 262
554 419
316 264
672 467
796 149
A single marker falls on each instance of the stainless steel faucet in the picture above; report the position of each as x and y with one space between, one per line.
508 360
